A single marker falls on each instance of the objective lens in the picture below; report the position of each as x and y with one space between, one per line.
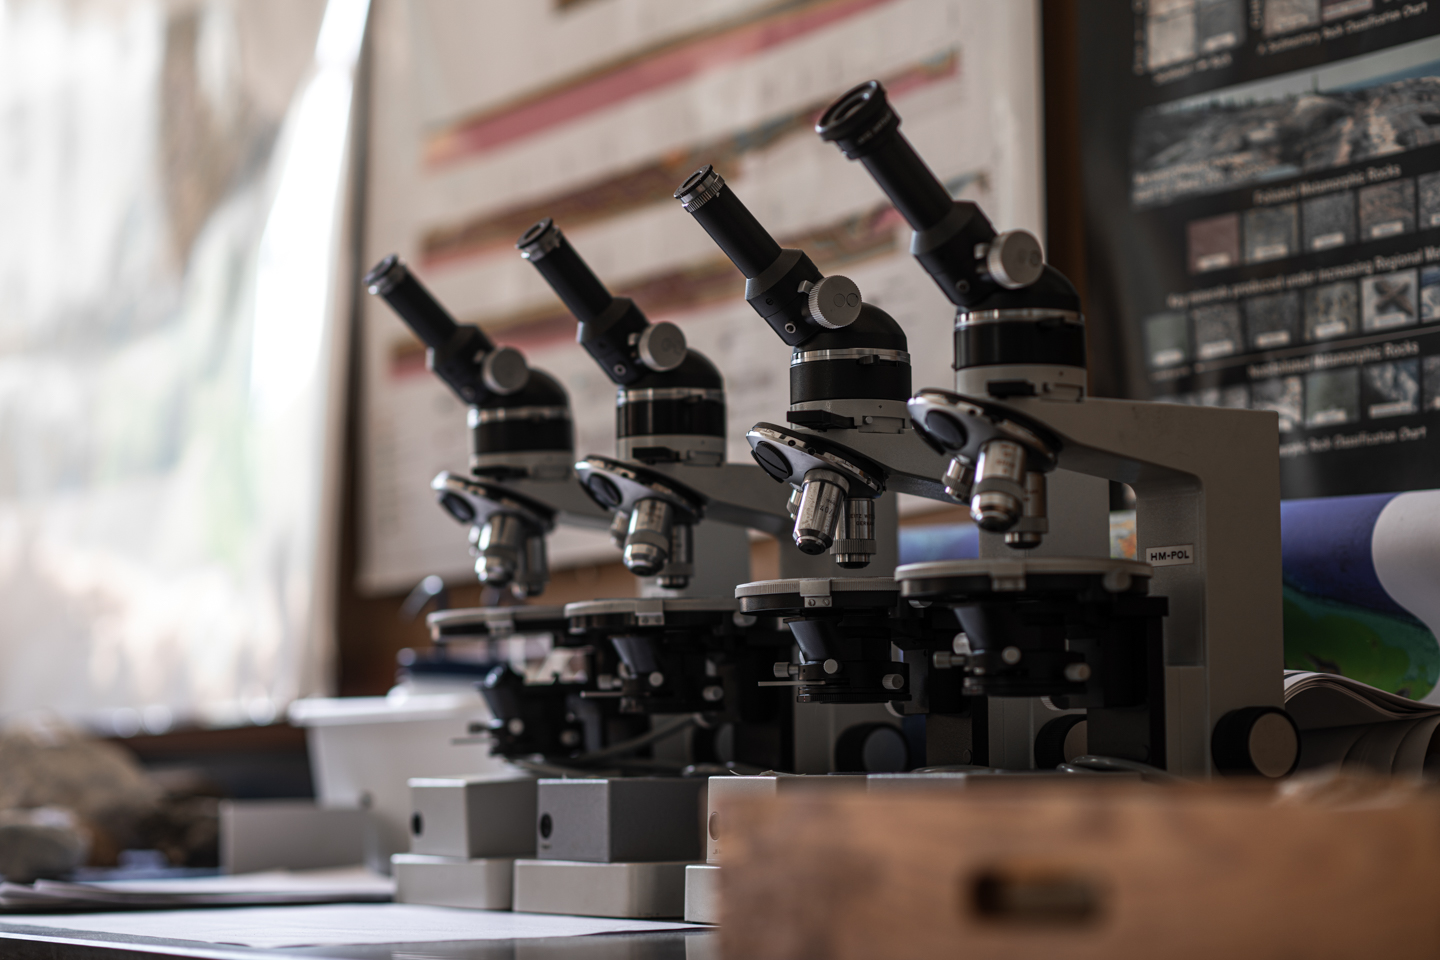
531 580
959 476
856 546
619 527
1034 523
681 565
647 543
999 495
502 549
822 501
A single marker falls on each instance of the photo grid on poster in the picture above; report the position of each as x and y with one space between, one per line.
1278 242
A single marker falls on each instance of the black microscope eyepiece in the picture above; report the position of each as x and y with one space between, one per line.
571 278
865 128
777 280
422 313
855 120
730 224
459 354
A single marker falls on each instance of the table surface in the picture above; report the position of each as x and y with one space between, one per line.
33 942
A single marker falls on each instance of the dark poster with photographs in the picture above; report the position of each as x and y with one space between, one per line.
1262 195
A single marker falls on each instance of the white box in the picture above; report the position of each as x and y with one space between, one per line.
260 835
628 890
479 884
470 817
702 893
364 750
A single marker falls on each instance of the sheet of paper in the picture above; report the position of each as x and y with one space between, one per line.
344 885
339 925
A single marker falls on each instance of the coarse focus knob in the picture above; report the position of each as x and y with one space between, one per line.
1014 259
504 370
1256 740
834 302
662 347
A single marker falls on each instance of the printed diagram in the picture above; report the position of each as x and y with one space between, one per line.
1226 144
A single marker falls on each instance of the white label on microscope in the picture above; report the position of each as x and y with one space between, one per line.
1170 556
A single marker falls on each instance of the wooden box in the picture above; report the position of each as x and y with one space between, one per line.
1071 872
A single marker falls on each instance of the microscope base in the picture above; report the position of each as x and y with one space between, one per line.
630 891
702 893
480 884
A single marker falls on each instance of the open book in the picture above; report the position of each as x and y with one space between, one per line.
1346 722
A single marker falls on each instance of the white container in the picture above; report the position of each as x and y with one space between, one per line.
364 750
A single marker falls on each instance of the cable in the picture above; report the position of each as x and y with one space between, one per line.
1090 763
655 734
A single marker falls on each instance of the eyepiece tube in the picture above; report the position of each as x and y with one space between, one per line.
730 224
607 323
864 127
432 323
572 279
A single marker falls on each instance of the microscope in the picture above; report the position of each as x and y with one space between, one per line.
844 450
521 485
1176 661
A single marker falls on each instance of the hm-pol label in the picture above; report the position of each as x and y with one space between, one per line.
1170 556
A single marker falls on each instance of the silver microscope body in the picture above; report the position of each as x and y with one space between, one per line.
1188 680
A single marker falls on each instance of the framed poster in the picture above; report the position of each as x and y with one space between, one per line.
1261 183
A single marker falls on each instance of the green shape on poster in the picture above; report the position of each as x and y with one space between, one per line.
1389 652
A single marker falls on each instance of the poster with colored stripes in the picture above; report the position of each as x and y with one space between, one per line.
487 117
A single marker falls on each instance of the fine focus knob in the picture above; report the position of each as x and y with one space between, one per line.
834 302
1014 259
1256 740
662 347
504 370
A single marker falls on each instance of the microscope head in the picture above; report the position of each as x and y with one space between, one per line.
519 418
670 409
849 367
462 356
520 427
1018 326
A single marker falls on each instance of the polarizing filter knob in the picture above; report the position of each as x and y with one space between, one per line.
504 370
662 347
1014 259
834 302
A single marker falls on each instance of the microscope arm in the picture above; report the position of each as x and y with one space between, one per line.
738 494
1207 491
572 506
